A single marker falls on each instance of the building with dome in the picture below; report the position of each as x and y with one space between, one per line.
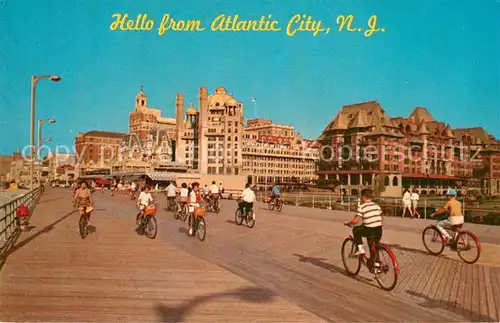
363 146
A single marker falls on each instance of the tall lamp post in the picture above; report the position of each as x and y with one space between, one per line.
34 81
40 164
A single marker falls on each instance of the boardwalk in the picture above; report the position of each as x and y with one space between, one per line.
287 268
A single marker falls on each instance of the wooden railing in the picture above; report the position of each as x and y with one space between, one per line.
9 230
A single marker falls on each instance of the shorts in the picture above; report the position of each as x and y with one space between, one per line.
457 220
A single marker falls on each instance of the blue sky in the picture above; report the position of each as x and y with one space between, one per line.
444 55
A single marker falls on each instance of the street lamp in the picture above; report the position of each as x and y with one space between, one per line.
34 81
40 164
40 140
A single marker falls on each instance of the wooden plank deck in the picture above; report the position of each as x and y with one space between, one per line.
115 275
294 254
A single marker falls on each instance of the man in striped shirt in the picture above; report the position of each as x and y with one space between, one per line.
367 222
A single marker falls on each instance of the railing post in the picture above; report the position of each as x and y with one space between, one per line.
3 223
313 202
330 201
297 200
425 208
348 203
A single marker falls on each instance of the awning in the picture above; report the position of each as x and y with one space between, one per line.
103 182
162 176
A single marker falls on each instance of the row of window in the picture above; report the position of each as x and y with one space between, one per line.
229 170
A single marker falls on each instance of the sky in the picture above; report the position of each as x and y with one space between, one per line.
443 55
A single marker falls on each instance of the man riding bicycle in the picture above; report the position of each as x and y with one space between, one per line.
83 199
247 199
214 193
145 199
171 194
275 193
367 222
454 208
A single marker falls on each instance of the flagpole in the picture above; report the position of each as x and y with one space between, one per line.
255 108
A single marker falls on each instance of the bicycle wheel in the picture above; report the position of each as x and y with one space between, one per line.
201 228
250 219
271 206
238 217
468 242
217 207
151 227
184 213
176 212
279 206
83 225
433 240
389 268
352 263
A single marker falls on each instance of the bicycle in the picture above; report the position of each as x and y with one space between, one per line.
276 204
213 204
181 211
461 240
83 222
148 225
243 213
171 204
374 264
200 227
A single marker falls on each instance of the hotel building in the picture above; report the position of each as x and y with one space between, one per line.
362 145
277 153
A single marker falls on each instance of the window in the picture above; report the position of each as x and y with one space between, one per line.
235 138
228 171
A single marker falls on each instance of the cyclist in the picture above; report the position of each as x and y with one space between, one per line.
206 191
214 193
171 194
275 193
247 199
83 199
367 222
194 202
184 195
454 208
145 199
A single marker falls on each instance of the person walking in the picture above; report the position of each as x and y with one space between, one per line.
406 202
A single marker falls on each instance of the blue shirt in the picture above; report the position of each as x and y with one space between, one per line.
276 191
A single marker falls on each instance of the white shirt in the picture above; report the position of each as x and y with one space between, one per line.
206 189
145 198
184 192
192 198
214 189
248 195
133 186
414 196
171 190
406 197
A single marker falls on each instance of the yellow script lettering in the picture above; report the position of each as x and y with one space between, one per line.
168 23
230 23
300 23
372 23
141 22
342 20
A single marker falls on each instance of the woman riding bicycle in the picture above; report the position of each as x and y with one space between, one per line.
194 202
83 199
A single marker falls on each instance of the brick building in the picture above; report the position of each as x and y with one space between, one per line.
97 149
362 145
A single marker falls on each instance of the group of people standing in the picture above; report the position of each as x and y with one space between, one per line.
410 203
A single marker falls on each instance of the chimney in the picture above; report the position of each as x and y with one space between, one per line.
202 124
179 103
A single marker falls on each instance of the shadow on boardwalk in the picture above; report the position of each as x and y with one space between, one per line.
47 229
179 312
321 263
447 305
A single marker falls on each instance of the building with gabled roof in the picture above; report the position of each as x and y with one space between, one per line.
363 143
